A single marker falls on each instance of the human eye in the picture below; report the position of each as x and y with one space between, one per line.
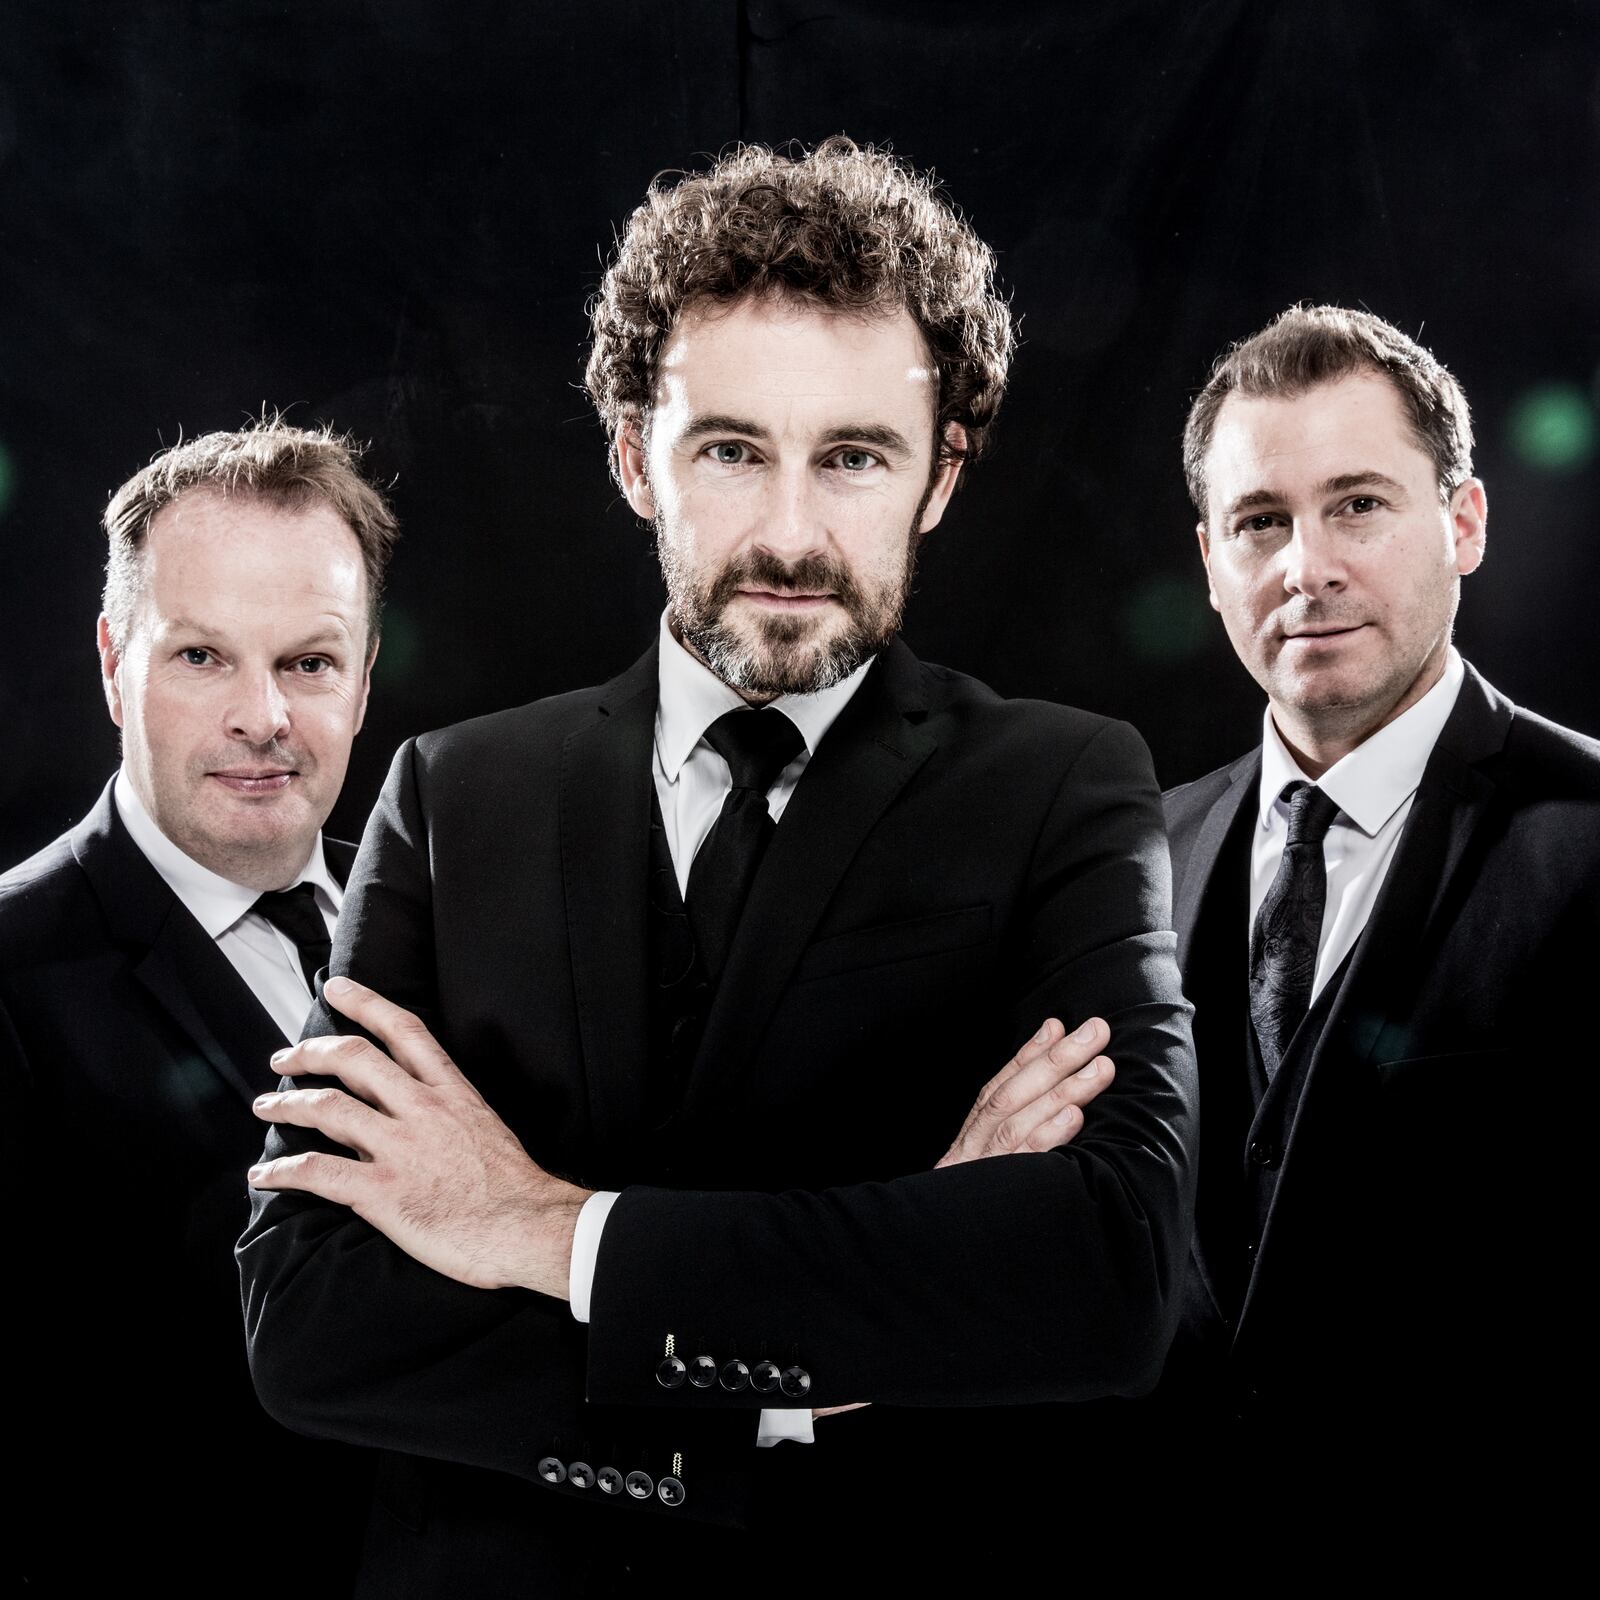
311 666
852 459
195 655
729 453
1258 524
1362 505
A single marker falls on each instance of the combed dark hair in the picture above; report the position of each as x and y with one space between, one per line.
851 229
287 468
1310 345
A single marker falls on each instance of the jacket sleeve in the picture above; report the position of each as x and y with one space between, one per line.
1024 1278
349 1337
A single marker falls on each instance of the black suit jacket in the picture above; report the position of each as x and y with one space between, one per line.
130 1050
1402 1327
951 869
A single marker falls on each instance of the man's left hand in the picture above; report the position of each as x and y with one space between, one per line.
439 1173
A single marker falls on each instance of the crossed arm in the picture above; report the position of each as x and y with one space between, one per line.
437 1172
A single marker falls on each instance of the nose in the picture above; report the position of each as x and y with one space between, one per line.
792 524
258 711
1313 562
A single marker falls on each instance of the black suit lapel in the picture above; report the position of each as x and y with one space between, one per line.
173 958
1431 870
201 990
1215 971
605 840
868 756
1201 861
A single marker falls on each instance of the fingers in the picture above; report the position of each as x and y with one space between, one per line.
402 1032
342 1117
1056 1117
335 1178
1032 1051
359 1065
1036 1101
1034 1077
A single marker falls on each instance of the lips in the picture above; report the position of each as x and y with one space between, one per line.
1324 631
255 780
789 599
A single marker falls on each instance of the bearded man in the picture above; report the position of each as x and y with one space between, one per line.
730 943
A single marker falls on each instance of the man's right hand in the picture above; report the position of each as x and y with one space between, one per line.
1036 1100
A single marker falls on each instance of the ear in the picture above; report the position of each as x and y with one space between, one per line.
944 481
110 669
1205 556
366 686
1469 524
631 469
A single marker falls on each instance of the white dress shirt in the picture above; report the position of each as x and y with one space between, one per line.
692 781
1373 787
265 958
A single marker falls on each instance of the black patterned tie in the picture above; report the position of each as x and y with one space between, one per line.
293 912
1283 944
757 745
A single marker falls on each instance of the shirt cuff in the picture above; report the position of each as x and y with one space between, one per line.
776 1426
586 1250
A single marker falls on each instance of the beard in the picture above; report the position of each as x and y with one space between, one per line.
773 655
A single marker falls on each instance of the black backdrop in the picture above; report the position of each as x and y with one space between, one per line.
389 214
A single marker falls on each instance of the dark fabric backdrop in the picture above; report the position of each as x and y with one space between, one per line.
390 214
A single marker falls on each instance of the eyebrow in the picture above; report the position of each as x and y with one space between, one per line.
873 433
320 639
1345 481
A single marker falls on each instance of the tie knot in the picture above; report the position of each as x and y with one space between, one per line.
294 912
1311 813
757 745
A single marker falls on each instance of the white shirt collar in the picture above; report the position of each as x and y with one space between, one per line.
216 903
1371 783
692 697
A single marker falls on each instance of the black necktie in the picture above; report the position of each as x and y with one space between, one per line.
293 912
1283 944
757 745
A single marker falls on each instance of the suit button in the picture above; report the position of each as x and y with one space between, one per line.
670 1492
735 1375
703 1371
764 1377
552 1470
670 1373
795 1382
609 1479
1264 1153
580 1474
640 1485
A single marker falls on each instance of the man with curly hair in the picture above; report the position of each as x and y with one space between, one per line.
726 949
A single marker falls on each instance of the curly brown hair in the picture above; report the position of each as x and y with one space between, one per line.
847 227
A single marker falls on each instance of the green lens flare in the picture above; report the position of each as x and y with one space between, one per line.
1166 618
1553 427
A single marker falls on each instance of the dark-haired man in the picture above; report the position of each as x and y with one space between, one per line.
151 961
1385 913
729 942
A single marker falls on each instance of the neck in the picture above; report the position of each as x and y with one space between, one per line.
1318 740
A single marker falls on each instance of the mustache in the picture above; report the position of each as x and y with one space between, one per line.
1316 614
760 569
274 753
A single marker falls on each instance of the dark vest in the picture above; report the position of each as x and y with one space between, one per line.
1248 1122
